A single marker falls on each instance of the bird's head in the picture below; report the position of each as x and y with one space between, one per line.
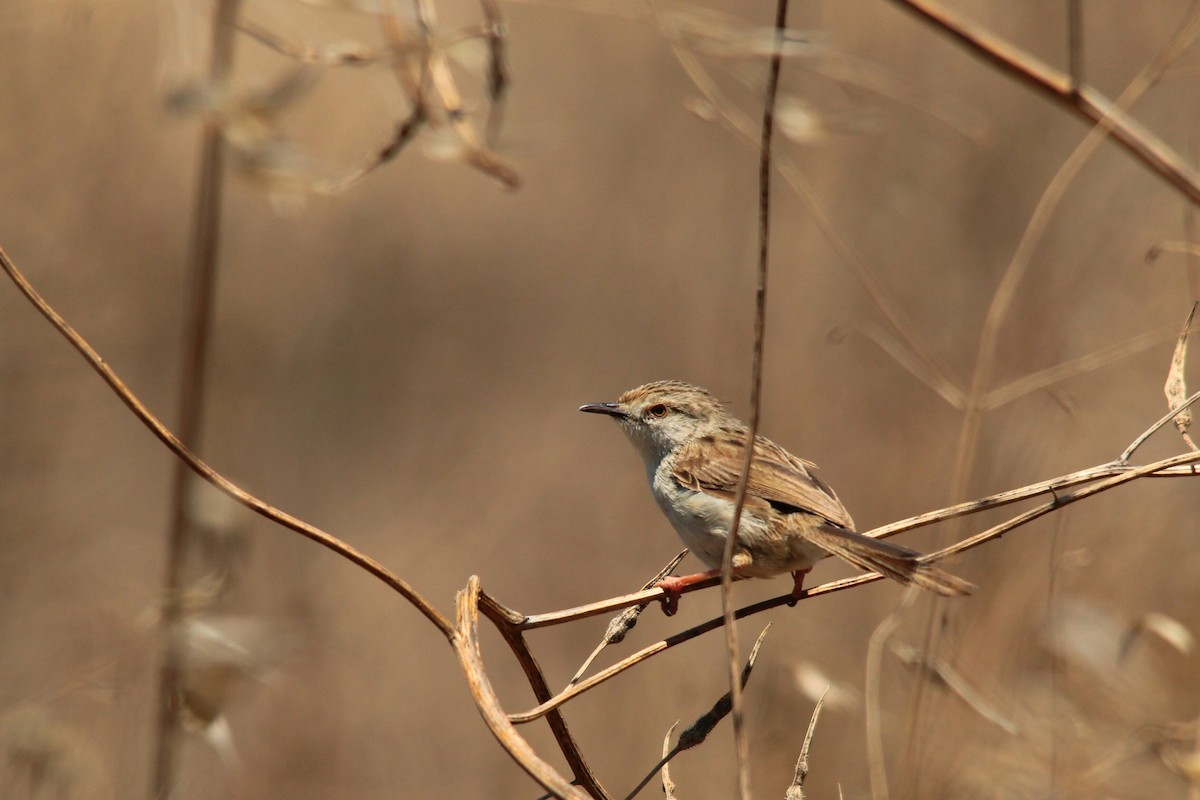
658 417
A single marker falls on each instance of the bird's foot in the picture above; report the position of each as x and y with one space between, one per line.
798 587
673 587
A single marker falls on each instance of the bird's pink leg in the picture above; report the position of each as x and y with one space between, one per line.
674 586
798 587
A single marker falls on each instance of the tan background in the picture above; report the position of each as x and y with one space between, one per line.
401 364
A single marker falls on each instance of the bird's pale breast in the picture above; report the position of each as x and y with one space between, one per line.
775 542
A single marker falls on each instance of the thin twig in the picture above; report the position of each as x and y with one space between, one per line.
1048 487
1045 378
338 55
624 622
942 672
1163 420
867 275
201 468
1187 248
404 133
876 762
741 744
202 272
904 354
496 32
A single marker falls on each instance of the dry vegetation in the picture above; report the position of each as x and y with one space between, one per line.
399 345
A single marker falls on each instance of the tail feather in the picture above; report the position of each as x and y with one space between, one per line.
891 560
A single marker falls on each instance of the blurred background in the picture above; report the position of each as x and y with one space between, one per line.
400 363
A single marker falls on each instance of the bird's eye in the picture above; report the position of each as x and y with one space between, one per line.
657 410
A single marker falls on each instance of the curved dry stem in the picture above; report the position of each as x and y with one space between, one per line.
201 468
1045 378
465 640
1170 415
876 761
504 620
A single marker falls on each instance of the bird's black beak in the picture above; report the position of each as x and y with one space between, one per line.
612 409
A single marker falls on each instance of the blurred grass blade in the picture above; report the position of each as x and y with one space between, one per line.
1046 378
1160 248
1170 630
907 359
943 674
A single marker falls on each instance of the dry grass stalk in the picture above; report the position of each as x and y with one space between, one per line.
202 271
696 733
1176 386
796 790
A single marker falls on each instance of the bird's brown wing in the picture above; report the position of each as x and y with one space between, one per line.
777 478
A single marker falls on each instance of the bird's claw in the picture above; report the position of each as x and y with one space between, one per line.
671 587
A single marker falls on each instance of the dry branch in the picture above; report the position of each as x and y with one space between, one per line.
765 170
418 55
1063 88
466 646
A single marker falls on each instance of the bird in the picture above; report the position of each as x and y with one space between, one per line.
693 450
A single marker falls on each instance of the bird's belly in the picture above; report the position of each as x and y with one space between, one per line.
774 547
702 522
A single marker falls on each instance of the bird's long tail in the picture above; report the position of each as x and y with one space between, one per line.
895 561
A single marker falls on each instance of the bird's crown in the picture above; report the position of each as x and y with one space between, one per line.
677 395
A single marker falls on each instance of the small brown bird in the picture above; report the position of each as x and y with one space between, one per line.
693 450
